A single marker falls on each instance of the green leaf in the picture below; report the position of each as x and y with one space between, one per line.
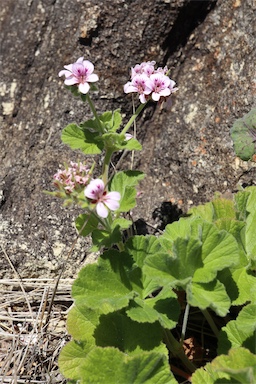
163 308
205 211
140 247
125 183
209 295
178 268
243 133
99 287
131 145
121 222
240 332
103 238
241 199
246 285
219 250
240 365
88 142
71 357
208 375
181 228
81 322
117 367
91 224
250 238
111 120
118 330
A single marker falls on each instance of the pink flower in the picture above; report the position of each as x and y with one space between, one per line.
159 85
81 73
103 200
149 82
138 84
72 178
145 67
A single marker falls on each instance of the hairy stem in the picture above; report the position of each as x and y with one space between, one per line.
101 130
133 117
185 322
106 162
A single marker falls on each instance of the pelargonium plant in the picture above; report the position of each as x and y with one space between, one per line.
177 307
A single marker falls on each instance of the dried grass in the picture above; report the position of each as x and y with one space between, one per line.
32 328
31 337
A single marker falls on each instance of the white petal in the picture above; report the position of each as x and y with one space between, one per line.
84 88
102 211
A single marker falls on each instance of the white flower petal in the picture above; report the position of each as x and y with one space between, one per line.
101 210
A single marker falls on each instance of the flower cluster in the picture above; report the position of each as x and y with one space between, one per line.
103 200
73 178
80 73
150 82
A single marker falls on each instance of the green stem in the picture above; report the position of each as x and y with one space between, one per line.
120 246
133 117
106 162
185 322
177 350
101 130
210 322
103 223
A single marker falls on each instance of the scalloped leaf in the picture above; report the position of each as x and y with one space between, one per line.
82 321
140 247
239 364
163 308
117 367
72 357
99 287
219 250
118 330
209 295
240 332
76 138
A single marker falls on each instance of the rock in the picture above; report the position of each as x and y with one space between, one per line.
187 150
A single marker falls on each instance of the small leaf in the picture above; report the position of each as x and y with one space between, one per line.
125 183
121 222
103 238
243 134
91 224
77 138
